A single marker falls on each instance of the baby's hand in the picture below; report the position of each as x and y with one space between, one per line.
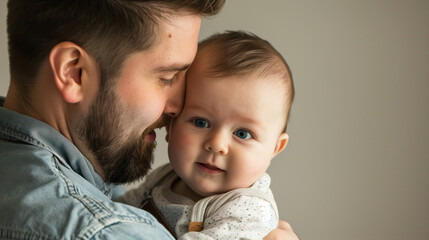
282 232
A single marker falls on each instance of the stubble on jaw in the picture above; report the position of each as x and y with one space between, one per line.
121 157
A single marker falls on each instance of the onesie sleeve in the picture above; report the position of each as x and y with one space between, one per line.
245 217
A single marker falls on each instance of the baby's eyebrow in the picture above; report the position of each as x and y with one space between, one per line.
196 107
243 117
249 120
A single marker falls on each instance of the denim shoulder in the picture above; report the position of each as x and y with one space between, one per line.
42 198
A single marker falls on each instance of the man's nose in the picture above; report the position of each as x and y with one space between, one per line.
176 97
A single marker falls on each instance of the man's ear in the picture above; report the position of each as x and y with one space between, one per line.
66 60
281 143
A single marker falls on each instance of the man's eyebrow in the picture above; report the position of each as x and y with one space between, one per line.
174 68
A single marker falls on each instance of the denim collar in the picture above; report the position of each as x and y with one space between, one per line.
20 127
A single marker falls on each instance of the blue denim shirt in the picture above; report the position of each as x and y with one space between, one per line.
49 190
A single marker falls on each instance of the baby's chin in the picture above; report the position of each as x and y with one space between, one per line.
206 192
203 192
207 189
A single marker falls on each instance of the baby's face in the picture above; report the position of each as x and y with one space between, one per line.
228 131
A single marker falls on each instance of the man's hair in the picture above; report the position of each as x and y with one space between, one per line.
109 30
240 53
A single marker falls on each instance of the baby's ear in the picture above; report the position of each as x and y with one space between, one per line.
281 143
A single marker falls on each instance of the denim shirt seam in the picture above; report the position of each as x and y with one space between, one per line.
14 134
12 233
103 215
10 133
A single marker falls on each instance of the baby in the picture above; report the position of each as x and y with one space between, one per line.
238 96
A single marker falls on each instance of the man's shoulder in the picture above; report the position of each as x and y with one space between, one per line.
43 199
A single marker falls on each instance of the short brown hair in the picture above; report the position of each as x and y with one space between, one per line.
241 53
109 30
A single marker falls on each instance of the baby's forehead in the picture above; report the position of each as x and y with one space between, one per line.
265 63
241 95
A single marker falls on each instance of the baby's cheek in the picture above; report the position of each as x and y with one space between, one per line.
183 137
180 147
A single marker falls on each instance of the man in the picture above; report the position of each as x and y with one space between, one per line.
90 80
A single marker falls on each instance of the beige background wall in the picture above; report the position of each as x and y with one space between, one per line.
357 163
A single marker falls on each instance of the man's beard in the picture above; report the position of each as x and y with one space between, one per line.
123 158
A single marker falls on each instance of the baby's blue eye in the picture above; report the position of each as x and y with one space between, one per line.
243 134
201 123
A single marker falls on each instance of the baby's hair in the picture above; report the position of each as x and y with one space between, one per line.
240 53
